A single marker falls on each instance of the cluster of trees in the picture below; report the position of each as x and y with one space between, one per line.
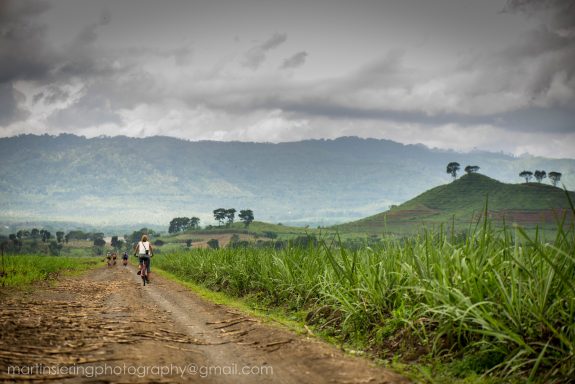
453 168
36 233
555 177
221 215
228 215
181 224
26 240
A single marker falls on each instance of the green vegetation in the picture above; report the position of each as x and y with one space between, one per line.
452 169
23 270
462 203
497 302
75 243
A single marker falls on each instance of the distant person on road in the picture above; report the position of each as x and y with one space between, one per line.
144 251
125 259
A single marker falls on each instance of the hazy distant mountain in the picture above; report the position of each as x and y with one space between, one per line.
151 180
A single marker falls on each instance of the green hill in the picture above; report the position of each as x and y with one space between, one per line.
463 201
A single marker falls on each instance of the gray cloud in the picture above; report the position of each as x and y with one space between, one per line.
182 56
559 14
52 95
89 34
23 55
9 110
297 60
91 109
23 51
257 55
26 55
549 51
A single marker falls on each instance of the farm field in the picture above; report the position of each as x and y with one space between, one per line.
495 306
420 288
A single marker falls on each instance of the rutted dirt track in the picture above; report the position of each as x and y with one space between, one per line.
105 327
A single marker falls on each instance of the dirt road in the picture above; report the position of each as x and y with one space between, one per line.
105 327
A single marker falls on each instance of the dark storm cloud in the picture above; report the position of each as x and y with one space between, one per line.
257 55
9 110
23 53
525 120
297 60
26 55
561 13
551 49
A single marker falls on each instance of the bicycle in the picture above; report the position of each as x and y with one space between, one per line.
143 272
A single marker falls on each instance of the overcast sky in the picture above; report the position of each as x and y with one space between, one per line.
458 74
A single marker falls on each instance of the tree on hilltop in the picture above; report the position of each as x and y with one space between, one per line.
230 215
220 215
471 169
540 175
247 216
555 177
527 175
194 222
452 169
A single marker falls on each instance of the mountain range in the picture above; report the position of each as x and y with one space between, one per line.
116 180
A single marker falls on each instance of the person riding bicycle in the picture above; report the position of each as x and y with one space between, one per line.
145 251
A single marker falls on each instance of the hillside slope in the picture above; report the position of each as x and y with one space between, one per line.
464 201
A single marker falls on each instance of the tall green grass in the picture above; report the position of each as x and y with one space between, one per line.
22 270
501 301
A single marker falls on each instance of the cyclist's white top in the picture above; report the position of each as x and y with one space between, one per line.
143 246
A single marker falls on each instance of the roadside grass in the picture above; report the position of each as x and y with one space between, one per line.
497 305
24 270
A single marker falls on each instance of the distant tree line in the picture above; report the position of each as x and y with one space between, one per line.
224 216
35 240
555 177
181 224
227 216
